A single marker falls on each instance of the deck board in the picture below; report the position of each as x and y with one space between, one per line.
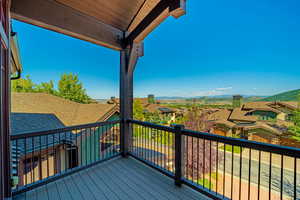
41 193
117 179
53 194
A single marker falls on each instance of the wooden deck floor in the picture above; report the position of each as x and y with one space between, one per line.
117 179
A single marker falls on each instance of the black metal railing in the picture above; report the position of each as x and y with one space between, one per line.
218 166
42 157
154 145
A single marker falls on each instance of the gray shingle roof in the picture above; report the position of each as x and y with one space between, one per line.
33 122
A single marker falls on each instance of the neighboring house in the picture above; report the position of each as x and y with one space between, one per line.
258 121
33 112
164 111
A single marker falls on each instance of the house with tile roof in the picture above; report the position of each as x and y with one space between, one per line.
38 112
258 121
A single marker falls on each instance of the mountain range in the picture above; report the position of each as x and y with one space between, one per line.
292 95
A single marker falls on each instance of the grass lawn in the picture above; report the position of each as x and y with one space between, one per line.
296 138
205 183
161 137
228 148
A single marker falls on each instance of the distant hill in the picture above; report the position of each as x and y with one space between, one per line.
292 95
229 96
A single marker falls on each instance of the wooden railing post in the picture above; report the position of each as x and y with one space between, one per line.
178 153
128 61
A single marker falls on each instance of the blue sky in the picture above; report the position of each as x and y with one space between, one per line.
219 47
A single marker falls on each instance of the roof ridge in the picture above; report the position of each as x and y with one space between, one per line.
109 113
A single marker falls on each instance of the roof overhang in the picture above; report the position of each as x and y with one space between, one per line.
114 24
16 66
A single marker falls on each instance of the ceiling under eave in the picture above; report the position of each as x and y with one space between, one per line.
110 23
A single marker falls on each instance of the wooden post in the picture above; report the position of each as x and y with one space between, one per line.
178 154
5 179
128 61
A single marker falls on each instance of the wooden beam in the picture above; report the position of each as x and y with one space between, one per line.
136 51
156 16
178 8
57 17
162 10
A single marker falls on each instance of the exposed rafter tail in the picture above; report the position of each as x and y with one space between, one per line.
177 8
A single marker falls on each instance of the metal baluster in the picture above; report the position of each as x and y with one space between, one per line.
40 160
210 165
198 152
151 145
217 167
295 178
59 139
113 140
135 149
270 176
108 130
169 146
90 146
102 143
99 143
240 183
17 158
32 160
224 151
142 142
95 143
165 163
138 140
81 147
149 148
76 148
259 166
232 160
152 142
107 140
47 152
25 152
203 164
66 154
53 154
249 178
281 178
71 149
157 148
86 146
192 159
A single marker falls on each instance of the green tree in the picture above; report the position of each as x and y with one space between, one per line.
46 87
69 87
138 110
295 129
153 117
23 85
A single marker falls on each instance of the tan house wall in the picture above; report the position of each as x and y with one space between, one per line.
48 161
221 132
264 137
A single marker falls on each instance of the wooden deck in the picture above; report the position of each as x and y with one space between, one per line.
117 179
